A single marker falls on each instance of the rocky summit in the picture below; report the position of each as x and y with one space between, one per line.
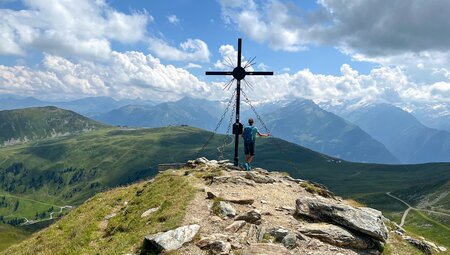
261 212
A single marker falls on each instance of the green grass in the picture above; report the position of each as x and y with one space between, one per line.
83 231
41 122
10 235
26 207
427 226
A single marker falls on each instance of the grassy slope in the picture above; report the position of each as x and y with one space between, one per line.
41 122
10 235
86 229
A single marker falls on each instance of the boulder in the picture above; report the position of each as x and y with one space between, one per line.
170 240
236 226
290 240
259 178
253 216
323 209
149 211
338 236
216 244
226 209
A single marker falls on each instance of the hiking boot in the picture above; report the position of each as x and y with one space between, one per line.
247 167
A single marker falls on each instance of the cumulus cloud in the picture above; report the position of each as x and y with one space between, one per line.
190 50
127 75
369 27
81 28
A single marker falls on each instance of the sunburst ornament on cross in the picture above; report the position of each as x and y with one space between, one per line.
238 74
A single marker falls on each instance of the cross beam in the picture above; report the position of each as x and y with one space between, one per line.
239 74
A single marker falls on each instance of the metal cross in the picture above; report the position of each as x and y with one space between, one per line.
238 73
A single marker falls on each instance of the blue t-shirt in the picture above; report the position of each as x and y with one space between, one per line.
250 134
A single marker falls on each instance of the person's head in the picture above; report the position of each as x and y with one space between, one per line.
250 122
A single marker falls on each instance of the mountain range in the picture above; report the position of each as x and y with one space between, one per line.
346 130
87 106
402 134
300 121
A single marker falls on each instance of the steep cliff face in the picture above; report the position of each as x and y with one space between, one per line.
210 207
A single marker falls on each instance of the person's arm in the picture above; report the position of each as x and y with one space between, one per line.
263 135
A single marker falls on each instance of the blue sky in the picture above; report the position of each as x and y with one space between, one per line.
323 50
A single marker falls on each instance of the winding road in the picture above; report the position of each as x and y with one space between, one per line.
30 222
402 222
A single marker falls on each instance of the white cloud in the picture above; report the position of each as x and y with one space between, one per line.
133 74
81 28
126 75
192 65
372 28
190 50
173 19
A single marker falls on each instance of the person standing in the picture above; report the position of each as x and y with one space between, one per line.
249 135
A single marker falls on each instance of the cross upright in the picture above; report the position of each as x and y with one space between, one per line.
239 74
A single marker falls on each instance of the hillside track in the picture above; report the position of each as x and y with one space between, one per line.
405 214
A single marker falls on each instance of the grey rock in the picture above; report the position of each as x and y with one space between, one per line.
289 178
201 160
423 246
149 211
226 209
442 249
290 240
170 240
278 233
253 216
342 214
236 226
259 178
217 244
338 236
255 233
110 216
231 199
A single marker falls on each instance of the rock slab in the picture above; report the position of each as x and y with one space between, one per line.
170 240
341 214
338 236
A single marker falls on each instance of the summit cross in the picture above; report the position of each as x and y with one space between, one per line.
238 74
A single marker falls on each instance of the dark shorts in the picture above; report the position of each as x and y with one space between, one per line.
249 148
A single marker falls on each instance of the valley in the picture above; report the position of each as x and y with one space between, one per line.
68 170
